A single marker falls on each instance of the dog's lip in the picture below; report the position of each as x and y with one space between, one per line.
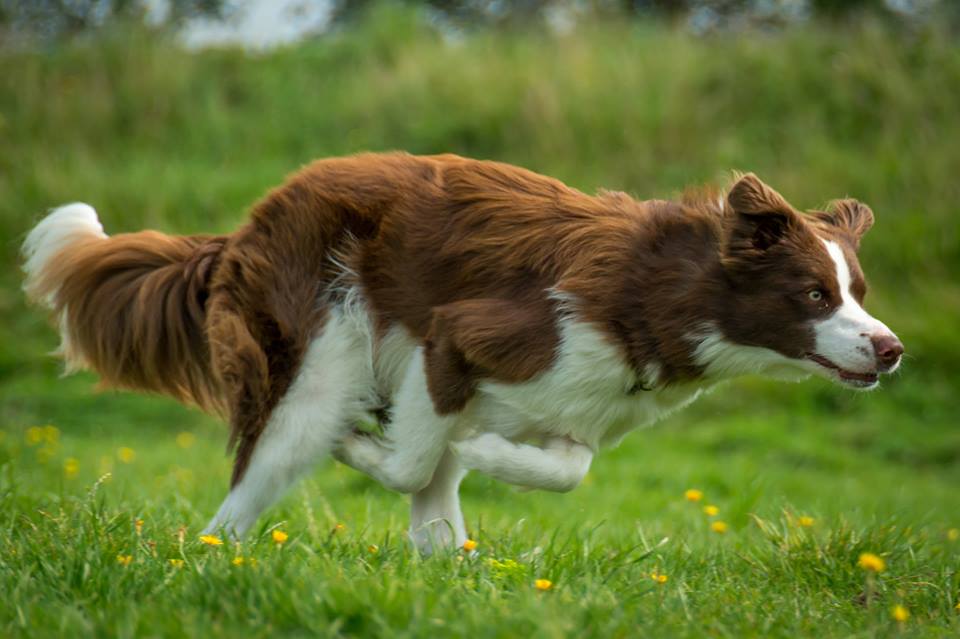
842 373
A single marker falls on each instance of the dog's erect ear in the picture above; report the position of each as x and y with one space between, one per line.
849 215
761 217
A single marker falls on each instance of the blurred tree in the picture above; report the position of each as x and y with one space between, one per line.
56 18
520 11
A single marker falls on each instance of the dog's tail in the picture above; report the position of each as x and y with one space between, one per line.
130 307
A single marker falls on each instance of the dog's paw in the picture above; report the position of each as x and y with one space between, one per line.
361 450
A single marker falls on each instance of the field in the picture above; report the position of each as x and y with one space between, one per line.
103 494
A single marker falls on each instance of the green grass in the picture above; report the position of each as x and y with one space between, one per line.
156 137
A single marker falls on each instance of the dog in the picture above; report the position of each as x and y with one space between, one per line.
494 319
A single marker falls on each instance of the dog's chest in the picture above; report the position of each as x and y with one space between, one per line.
587 395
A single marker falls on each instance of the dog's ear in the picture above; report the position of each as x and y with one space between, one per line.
850 216
759 216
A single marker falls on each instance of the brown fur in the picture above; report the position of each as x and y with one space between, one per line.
135 309
463 254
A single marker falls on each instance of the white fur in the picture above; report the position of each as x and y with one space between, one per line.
559 466
405 459
723 359
844 337
582 402
64 226
330 393
435 517
585 396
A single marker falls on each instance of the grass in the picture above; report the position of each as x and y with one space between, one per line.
156 137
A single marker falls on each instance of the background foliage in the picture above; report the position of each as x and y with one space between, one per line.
154 136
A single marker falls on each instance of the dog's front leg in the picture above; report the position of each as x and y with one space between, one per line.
435 517
559 466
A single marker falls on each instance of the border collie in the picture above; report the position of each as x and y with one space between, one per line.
494 319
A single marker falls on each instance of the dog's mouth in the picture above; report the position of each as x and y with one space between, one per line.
851 378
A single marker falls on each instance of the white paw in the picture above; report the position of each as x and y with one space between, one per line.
362 452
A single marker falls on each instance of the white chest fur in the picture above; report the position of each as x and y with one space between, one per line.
584 396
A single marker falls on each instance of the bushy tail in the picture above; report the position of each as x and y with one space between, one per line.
130 307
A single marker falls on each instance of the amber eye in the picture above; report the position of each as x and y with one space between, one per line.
816 295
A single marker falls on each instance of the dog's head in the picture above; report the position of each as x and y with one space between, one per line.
795 287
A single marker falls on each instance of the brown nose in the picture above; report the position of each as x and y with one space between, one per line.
887 348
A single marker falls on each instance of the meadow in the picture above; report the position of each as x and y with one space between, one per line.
103 494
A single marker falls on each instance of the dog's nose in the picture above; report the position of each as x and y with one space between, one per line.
887 348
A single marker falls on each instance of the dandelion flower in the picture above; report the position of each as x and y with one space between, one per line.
126 454
543 584
186 439
900 613
51 434
711 510
718 527
279 537
211 540
71 467
237 561
692 494
176 563
34 435
469 545
871 562
339 528
124 560
373 549
953 534
805 521
660 579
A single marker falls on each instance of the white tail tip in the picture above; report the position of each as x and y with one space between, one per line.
62 227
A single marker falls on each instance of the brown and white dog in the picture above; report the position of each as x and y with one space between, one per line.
500 320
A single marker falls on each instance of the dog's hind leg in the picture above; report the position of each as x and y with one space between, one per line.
320 405
406 458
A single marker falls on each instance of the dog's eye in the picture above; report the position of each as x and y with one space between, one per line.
816 295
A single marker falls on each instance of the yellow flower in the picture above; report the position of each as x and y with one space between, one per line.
871 562
71 467
339 528
692 494
660 579
237 561
469 545
900 613
957 607
805 521
124 560
34 435
718 527
506 567
126 455
373 549
211 540
543 584
711 510
953 534
176 563
185 439
138 525
279 537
